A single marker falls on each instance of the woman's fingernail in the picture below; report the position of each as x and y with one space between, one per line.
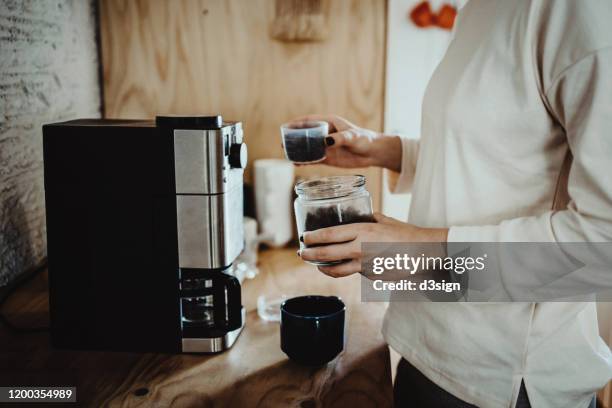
329 141
301 238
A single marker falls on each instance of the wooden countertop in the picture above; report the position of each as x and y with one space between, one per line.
254 372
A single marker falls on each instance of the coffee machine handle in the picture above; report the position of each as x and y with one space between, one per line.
234 301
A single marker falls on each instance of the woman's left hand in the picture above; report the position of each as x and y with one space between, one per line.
344 242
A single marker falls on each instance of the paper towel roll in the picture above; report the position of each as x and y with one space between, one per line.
273 200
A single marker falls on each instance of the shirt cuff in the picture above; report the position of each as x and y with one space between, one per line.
402 182
524 229
485 233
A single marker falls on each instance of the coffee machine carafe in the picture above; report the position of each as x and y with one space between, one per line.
144 223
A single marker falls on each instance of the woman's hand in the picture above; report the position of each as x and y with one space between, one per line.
350 146
344 242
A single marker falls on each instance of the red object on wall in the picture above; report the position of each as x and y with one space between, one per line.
422 16
446 17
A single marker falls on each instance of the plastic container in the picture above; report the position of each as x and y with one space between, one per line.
304 142
331 201
269 307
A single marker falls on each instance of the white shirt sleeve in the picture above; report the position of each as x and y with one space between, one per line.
580 99
402 182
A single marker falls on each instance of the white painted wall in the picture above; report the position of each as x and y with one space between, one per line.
412 55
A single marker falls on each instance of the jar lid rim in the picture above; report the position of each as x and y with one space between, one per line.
304 125
331 186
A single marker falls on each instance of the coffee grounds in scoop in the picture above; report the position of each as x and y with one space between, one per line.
303 149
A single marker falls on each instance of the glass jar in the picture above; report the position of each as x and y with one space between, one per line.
331 201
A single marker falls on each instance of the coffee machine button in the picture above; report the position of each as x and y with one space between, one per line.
238 155
226 145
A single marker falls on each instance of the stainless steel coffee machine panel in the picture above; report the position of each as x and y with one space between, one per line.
209 166
210 235
209 161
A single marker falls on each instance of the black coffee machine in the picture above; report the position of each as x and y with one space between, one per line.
144 222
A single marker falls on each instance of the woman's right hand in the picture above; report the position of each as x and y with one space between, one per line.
350 146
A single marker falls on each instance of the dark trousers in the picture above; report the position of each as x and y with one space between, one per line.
413 389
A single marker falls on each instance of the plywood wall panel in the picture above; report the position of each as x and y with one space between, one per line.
198 56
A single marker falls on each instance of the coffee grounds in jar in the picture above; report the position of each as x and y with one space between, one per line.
303 149
322 217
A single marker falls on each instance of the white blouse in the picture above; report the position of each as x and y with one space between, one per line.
516 145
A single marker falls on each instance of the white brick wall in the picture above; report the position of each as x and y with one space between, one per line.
48 72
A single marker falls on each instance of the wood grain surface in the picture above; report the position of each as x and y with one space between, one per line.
201 56
254 373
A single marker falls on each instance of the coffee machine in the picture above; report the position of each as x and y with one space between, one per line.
144 224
